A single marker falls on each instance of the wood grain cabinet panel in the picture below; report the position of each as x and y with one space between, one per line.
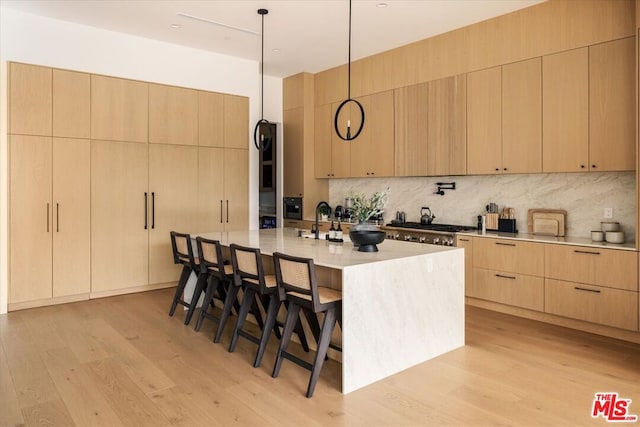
119 109
293 152
604 306
596 266
611 106
236 189
322 143
341 150
120 215
210 189
30 99
411 125
236 122
522 116
71 104
467 244
30 218
484 121
173 115
210 119
173 187
447 118
512 256
565 95
508 288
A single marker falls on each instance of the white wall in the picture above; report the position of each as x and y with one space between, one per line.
43 41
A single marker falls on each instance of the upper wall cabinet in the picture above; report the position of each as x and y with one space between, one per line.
30 99
236 117
210 119
71 104
119 109
411 130
447 118
173 115
611 106
322 142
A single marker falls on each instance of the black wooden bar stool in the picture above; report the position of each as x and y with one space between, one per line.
248 272
297 284
183 254
215 277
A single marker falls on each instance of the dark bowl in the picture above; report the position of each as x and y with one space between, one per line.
366 240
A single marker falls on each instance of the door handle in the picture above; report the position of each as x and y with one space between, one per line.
47 217
502 276
146 209
227 211
505 244
585 289
57 217
220 211
153 210
586 252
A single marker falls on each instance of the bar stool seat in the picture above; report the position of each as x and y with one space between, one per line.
297 284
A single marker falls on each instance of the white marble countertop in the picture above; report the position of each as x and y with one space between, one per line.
576 241
323 252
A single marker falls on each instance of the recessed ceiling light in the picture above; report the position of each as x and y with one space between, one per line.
176 26
382 5
276 50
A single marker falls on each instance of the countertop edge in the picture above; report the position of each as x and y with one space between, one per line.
570 241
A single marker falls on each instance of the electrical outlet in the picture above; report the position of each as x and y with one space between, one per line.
608 213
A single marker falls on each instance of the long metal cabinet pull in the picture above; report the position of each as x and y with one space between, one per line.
220 211
586 252
505 277
227 211
153 210
57 217
47 217
585 289
145 210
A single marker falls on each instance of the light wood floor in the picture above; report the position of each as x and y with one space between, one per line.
123 361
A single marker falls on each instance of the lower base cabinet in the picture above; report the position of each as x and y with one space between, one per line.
596 304
507 288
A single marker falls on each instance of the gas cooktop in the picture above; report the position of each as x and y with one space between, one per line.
446 228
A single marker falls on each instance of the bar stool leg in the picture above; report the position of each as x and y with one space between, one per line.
270 321
289 325
229 301
184 277
208 300
325 338
248 299
201 284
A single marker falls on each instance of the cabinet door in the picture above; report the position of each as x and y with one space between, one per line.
340 149
508 288
71 104
29 99
372 152
565 118
71 217
210 119
119 220
236 189
411 124
484 121
467 244
236 122
513 256
323 128
30 223
119 109
210 189
173 185
447 134
611 106
522 117
293 152
173 115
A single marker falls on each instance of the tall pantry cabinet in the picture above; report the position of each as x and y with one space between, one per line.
102 168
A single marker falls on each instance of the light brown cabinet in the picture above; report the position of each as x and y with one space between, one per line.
293 155
236 122
467 244
173 115
323 142
236 189
30 99
210 119
119 109
49 219
71 104
612 142
411 130
514 256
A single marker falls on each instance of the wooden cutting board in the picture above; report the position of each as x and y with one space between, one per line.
547 221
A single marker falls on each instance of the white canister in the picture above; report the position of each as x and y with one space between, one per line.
597 235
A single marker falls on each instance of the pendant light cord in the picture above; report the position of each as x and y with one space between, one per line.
349 66
262 73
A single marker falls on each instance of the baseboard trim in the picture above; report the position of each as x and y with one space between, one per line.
47 301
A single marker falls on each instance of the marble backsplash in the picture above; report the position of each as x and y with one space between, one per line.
583 195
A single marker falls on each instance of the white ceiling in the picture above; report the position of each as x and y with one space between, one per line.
311 35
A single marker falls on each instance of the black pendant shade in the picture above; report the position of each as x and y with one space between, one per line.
349 135
262 137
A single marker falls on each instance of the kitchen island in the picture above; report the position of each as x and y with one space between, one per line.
402 305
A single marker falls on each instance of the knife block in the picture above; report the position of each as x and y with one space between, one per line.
492 221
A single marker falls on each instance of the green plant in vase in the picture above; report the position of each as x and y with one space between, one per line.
365 208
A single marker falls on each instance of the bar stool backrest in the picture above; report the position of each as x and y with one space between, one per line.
182 249
247 266
210 255
296 274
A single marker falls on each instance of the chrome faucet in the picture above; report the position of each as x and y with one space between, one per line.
322 203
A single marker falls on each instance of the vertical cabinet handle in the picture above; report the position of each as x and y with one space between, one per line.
153 210
220 211
227 210
57 217
146 213
47 217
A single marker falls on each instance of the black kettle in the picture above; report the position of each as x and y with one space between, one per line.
426 217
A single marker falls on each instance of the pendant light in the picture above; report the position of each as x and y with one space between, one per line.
348 135
262 136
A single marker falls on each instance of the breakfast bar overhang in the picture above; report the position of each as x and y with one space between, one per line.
402 305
